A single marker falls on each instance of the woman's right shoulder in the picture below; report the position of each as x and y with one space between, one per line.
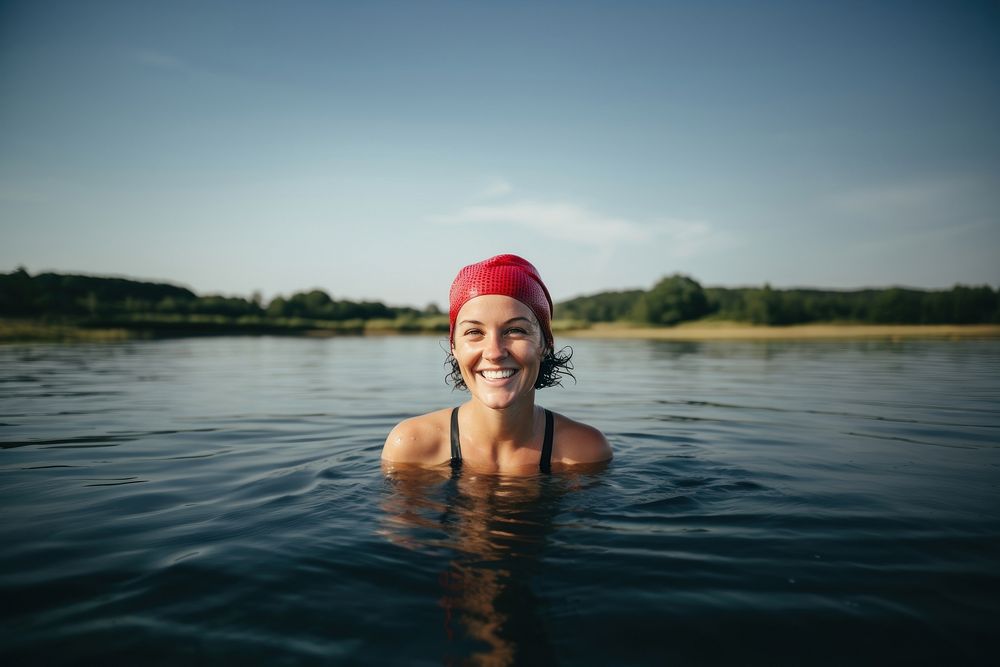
423 439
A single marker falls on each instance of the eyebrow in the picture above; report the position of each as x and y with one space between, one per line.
513 319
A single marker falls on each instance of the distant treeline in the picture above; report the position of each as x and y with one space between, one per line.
53 295
679 298
97 301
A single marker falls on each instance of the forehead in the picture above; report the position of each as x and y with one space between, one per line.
494 307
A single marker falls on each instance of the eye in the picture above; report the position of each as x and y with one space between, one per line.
472 332
518 330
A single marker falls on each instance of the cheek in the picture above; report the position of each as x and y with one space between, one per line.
462 356
538 353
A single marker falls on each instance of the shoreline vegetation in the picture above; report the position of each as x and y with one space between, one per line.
20 330
703 331
58 307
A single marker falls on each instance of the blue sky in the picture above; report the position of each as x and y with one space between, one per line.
371 148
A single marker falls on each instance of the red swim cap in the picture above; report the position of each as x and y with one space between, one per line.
508 275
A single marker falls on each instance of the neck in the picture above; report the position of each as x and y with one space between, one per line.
506 429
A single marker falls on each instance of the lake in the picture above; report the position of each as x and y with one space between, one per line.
221 501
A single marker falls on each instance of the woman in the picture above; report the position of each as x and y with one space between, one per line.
502 350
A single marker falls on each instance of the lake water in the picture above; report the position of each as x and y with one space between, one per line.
220 500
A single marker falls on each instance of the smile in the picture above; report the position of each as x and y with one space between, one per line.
502 374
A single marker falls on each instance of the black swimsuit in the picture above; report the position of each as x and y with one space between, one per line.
544 465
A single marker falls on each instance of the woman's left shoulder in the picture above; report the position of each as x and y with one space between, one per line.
576 442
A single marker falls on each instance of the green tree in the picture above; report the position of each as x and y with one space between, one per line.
897 306
762 305
674 299
277 307
601 307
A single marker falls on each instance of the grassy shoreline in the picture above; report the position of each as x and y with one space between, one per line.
137 328
742 331
14 331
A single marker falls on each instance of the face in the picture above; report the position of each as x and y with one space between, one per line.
499 347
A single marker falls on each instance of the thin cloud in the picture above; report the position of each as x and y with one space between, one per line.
912 203
686 238
559 220
159 60
497 188
22 195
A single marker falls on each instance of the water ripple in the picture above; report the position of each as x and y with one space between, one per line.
221 501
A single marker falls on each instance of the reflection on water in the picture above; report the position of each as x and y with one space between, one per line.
489 533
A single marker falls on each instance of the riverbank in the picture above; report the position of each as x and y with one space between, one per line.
741 331
142 327
13 331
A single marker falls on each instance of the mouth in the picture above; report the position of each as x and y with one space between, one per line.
498 373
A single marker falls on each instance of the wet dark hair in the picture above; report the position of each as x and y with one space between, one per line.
550 374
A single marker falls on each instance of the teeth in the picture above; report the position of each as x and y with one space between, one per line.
498 375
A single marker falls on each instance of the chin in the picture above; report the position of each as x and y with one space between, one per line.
496 403
499 400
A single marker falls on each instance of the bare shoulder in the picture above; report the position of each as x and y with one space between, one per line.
424 439
576 442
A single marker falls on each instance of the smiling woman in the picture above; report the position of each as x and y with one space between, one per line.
502 350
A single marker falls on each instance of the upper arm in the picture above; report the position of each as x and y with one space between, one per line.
580 443
414 440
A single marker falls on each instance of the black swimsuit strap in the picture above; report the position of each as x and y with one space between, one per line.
545 464
456 443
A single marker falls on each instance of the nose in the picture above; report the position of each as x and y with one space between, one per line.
496 348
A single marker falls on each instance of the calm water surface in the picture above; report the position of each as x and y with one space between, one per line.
221 501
